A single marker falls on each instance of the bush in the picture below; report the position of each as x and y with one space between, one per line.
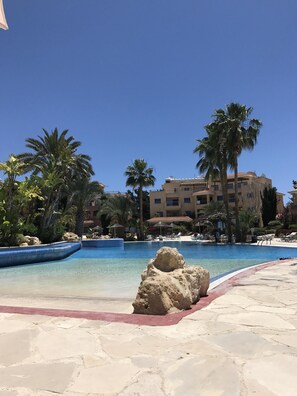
29 229
53 234
259 231
275 224
293 226
270 230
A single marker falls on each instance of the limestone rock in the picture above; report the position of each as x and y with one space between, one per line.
31 241
168 259
172 286
70 237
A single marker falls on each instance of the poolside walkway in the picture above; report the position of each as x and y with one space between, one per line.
243 343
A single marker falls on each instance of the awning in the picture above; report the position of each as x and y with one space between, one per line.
203 192
3 23
177 219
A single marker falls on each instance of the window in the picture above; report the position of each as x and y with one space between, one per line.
230 186
187 189
231 198
201 201
159 214
157 200
250 195
215 187
172 202
220 198
187 200
188 213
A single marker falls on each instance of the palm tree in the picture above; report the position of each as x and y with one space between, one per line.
247 220
241 133
82 191
54 157
118 208
140 176
213 162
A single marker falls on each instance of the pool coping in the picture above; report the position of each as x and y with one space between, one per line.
217 288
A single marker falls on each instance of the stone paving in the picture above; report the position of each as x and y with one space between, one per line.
243 343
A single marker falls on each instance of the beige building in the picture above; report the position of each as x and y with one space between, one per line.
189 197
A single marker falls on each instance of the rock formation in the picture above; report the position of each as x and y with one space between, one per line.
70 237
168 285
31 241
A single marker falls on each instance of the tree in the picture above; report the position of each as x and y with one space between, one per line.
269 204
140 176
213 162
145 203
82 191
54 157
241 133
118 208
15 200
247 220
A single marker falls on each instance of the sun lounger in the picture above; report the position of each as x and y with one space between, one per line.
263 238
290 237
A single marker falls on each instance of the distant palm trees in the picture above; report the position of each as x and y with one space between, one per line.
139 175
232 131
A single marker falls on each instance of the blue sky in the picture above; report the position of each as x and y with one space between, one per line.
140 79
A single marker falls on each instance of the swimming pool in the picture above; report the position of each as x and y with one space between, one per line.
115 272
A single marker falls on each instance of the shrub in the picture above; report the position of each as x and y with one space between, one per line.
19 238
53 234
275 224
259 231
29 229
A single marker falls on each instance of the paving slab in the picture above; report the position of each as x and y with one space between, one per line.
16 346
203 377
277 374
254 319
53 377
146 384
245 344
111 378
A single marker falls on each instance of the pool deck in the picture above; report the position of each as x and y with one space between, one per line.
243 343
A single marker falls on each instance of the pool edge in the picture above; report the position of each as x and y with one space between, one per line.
217 288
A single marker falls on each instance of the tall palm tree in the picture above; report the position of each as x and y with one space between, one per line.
213 162
241 133
140 176
54 157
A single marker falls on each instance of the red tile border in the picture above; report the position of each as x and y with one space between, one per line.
148 320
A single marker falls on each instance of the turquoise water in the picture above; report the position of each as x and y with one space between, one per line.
115 272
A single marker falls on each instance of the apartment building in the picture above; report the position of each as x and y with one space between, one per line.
189 197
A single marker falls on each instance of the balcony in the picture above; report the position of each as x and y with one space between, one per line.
201 202
172 207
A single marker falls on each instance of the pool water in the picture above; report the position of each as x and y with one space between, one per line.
108 273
